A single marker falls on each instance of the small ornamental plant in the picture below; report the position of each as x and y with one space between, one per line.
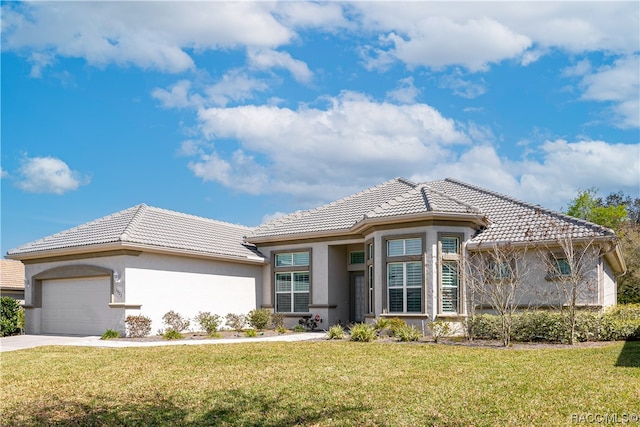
138 326
110 334
336 332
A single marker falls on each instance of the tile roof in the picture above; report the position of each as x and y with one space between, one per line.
150 226
513 220
339 215
509 219
11 274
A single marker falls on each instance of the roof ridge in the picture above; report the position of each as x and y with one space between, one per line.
299 213
452 198
531 206
124 236
399 198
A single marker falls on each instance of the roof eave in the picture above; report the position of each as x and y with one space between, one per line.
367 222
106 247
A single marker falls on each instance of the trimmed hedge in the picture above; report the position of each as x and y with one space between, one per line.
618 323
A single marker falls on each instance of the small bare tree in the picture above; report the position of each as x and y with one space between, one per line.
571 264
496 276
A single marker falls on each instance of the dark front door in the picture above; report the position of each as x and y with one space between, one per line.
357 297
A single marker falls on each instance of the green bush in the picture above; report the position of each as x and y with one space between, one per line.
138 326
408 333
235 321
175 322
281 329
110 334
9 316
540 326
362 332
336 332
439 329
299 328
277 320
259 318
486 326
251 333
210 323
172 334
389 325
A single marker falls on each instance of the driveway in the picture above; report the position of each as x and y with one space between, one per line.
21 342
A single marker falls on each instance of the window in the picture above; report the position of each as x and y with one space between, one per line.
292 283
450 245
449 286
401 247
370 286
404 282
294 259
500 270
561 267
369 272
356 257
404 275
449 248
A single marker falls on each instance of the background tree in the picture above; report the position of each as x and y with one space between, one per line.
496 277
621 213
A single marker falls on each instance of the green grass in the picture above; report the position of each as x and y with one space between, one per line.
317 383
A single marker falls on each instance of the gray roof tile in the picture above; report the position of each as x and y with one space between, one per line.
152 226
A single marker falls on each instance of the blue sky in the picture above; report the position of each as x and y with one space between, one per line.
244 111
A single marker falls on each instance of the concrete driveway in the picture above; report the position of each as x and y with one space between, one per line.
21 342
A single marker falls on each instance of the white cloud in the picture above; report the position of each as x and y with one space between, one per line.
619 84
270 217
462 87
177 96
265 59
48 175
234 86
307 151
145 34
405 92
3 173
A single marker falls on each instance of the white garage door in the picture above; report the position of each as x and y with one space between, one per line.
76 306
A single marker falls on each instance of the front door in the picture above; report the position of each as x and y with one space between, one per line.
357 294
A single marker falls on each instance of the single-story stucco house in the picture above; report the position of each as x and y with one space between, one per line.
396 249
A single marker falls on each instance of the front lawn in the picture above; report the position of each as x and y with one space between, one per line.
318 383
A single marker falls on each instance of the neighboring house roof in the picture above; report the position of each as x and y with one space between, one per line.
11 275
144 226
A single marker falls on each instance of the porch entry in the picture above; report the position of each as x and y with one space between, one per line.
356 297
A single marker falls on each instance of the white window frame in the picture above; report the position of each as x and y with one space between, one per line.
291 263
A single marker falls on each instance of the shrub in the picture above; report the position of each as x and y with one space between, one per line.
9 316
235 321
277 320
299 328
540 326
210 323
389 326
175 322
362 332
335 332
281 329
109 334
408 333
251 333
259 318
486 326
172 334
439 329
138 326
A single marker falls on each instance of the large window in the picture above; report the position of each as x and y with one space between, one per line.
292 282
404 275
449 257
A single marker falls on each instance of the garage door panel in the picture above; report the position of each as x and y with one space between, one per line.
76 306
